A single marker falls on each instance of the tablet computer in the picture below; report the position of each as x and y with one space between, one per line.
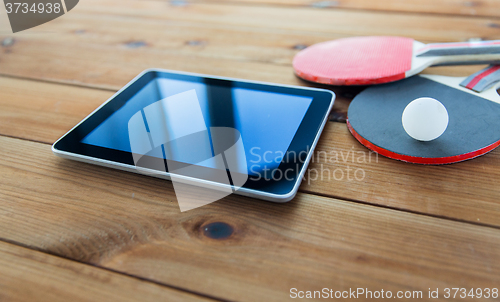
251 138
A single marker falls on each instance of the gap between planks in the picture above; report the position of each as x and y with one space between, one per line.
300 190
358 6
319 188
91 219
319 194
50 270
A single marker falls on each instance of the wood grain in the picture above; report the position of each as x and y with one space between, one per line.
489 8
45 112
116 224
341 168
29 275
131 224
106 43
347 22
41 111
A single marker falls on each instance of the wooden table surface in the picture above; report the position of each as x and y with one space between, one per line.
77 232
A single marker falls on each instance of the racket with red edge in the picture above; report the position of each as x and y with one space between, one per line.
381 59
473 105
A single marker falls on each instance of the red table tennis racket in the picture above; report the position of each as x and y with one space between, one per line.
376 60
375 117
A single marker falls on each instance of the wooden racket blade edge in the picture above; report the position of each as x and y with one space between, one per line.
348 82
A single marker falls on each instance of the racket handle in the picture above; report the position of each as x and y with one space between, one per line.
462 53
483 79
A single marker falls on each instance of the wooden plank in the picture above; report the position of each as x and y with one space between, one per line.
44 112
487 8
106 43
347 22
131 224
465 191
28 275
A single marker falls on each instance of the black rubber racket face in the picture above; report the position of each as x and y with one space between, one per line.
374 118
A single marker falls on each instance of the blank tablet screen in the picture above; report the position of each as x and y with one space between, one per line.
267 121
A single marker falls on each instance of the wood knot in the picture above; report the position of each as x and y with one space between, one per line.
325 4
195 43
362 259
472 3
180 3
135 44
299 46
217 230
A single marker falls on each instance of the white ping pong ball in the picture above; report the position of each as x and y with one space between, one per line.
425 119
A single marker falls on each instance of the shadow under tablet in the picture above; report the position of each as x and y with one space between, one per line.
374 118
